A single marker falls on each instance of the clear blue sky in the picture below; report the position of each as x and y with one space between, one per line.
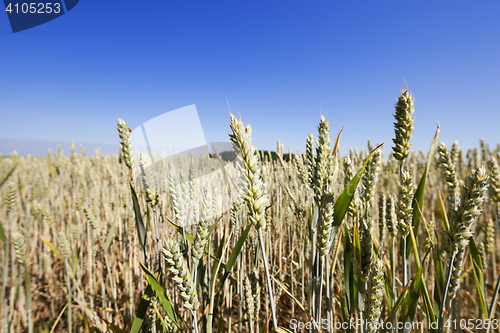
278 62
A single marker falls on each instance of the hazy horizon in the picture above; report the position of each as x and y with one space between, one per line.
280 64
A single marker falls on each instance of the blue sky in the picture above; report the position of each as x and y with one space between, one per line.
280 63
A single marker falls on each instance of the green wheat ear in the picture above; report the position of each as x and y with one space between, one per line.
64 245
456 154
310 159
366 243
256 197
405 210
179 197
489 240
369 177
323 162
46 216
430 240
181 276
403 126
149 180
322 182
325 229
90 217
248 298
494 188
375 295
254 281
202 232
473 195
448 167
298 162
382 205
125 143
20 247
390 217
462 219
10 197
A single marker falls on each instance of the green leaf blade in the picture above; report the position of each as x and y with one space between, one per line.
477 266
160 294
141 229
237 249
418 197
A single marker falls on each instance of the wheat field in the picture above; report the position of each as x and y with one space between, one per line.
268 242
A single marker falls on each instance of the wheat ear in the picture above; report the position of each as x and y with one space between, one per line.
375 296
403 125
256 197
